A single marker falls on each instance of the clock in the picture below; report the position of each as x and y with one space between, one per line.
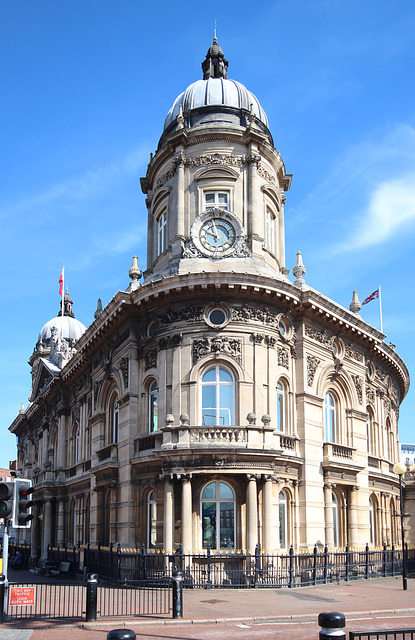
217 234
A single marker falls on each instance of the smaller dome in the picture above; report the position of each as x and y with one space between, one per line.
67 327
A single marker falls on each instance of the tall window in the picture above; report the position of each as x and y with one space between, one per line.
114 422
270 230
153 407
330 417
283 520
76 443
217 397
336 520
218 515
216 199
370 432
372 536
152 520
162 233
281 407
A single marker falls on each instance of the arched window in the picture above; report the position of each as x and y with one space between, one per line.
283 520
162 233
115 422
330 418
218 391
370 432
76 443
372 523
336 521
153 407
152 520
218 516
282 407
270 230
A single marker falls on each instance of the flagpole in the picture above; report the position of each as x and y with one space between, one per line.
380 310
63 292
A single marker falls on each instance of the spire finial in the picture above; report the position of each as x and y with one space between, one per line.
135 275
215 65
355 304
215 40
299 271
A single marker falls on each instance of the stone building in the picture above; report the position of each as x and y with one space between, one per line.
216 402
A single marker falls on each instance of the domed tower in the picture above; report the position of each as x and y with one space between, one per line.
55 345
216 186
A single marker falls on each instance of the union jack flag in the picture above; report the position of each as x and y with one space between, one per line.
372 296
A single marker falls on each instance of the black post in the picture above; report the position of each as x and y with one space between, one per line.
331 626
347 563
404 569
291 569
2 595
256 566
91 597
177 583
209 581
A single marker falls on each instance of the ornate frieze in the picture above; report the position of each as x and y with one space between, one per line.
352 353
150 359
76 414
119 339
215 158
161 181
312 364
358 383
95 392
172 316
320 336
226 345
269 177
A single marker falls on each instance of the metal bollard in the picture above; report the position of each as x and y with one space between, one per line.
91 597
121 634
2 595
177 580
332 625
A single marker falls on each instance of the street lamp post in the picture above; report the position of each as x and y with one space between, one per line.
400 469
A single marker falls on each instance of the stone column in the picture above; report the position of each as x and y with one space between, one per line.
60 525
328 514
268 535
168 542
179 162
353 524
187 514
253 213
47 527
252 514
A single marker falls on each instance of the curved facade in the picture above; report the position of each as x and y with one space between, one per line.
217 403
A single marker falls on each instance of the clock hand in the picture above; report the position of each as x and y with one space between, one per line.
216 231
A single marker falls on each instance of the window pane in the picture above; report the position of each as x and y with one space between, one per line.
224 375
225 491
209 376
223 198
209 492
210 197
226 524
209 524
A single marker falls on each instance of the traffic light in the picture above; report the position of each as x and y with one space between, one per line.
6 499
21 512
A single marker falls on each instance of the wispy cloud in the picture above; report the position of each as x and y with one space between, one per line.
391 210
94 183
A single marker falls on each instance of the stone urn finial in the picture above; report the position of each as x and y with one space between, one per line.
299 271
184 418
266 420
169 420
355 305
135 275
251 417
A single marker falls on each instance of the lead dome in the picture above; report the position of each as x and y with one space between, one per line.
215 100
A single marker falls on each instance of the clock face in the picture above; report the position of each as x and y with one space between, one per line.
217 235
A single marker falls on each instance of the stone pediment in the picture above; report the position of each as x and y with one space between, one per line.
46 371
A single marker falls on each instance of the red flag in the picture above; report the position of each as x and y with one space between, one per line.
372 296
61 282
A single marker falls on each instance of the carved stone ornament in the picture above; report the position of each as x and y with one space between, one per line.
370 395
173 316
320 336
76 414
228 346
352 353
258 338
215 158
150 359
312 364
283 360
358 383
124 369
95 391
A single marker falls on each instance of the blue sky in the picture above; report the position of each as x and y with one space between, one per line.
85 87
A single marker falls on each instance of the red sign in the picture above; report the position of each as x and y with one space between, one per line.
22 596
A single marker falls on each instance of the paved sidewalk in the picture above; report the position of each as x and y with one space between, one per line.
252 613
